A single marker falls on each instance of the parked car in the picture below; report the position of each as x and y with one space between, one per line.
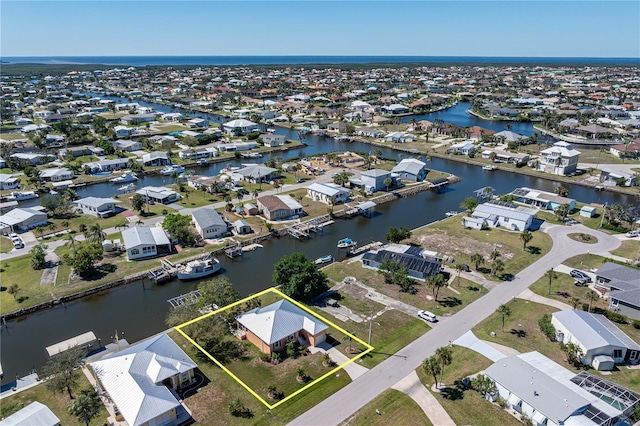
466 268
427 316
576 273
581 282
632 234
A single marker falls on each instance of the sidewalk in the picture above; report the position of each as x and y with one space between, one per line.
532 297
412 387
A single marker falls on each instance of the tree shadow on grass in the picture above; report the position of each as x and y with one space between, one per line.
453 393
101 272
518 333
473 288
450 302
534 250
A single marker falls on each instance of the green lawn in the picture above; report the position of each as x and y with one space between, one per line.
564 290
602 157
462 404
12 136
58 403
586 261
629 249
210 404
5 245
18 271
396 409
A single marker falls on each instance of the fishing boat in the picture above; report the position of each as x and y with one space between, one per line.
128 188
198 269
22 195
324 259
346 243
489 167
126 177
203 163
169 170
251 155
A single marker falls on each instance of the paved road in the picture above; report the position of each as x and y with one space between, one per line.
351 398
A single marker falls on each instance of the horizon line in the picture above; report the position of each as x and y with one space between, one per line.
315 56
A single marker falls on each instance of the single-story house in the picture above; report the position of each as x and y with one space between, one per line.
137 119
462 148
275 207
209 223
35 413
256 173
198 181
494 214
269 328
505 156
127 145
22 219
328 193
34 159
399 137
156 158
107 165
602 343
158 194
395 109
56 174
613 177
145 242
94 206
143 378
242 227
198 123
551 395
236 146
418 266
8 181
541 199
123 132
411 169
240 126
630 150
273 140
509 136
623 284
198 153
369 132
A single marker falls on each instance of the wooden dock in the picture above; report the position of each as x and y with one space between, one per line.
185 299
233 251
356 251
303 229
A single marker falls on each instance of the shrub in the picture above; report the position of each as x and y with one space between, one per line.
636 324
265 357
237 409
547 328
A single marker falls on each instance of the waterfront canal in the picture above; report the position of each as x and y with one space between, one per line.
139 311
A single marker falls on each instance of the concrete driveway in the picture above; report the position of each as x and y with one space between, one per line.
358 393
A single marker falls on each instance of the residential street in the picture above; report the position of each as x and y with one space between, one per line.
351 398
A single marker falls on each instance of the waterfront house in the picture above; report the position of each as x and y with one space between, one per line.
95 206
145 242
198 181
242 227
411 169
209 223
462 148
56 174
134 119
394 109
541 199
560 159
240 126
399 137
418 266
277 207
504 156
127 145
123 132
509 136
22 219
270 328
8 181
198 153
143 378
156 158
256 173
195 123
602 343
158 194
616 178
549 394
496 213
328 193
272 140
35 413
107 165
373 180
369 132
236 146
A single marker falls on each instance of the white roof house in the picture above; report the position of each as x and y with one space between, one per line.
56 174
95 206
35 413
137 377
596 336
328 193
240 125
560 159
159 194
142 242
8 181
411 169
270 327
23 219
496 213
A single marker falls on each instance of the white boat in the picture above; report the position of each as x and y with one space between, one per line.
23 195
128 188
203 163
324 259
451 213
270 130
488 167
346 243
251 155
126 177
169 170
198 269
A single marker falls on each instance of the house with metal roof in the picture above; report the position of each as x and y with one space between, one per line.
95 206
240 126
22 219
549 394
328 193
8 181
602 343
56 174
158 194
271 327
560 159
419 265
541 199
623 284
256 173
497 213
209 223
145 242
156 158
411 169
143 379
373 180
35 413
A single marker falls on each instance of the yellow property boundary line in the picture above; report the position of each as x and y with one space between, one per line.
299 305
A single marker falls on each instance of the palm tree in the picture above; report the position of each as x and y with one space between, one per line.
122 225
459 267
495 254
526 236
435 283
431 366
575 302
387 183
71 240
498 266
551 275
444 355
255 194
478 259
505 311
83 228
591 296
239 196
96 233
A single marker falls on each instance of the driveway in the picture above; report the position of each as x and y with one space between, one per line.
342 404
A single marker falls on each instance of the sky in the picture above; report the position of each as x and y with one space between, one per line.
512 28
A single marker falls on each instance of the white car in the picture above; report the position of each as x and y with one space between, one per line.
631 234
427 316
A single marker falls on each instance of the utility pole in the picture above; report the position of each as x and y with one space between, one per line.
370 325
604 210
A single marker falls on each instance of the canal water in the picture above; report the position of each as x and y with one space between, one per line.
139 311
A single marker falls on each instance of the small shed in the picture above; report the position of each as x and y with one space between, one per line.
250 209
588 211
603 363
242 227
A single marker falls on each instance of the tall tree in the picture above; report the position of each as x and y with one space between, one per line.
137 203
504 311
477 259
96 233
86 406
551 275
445 357
525 236
591 296
435 283
299 277
61 370
459 267
431 366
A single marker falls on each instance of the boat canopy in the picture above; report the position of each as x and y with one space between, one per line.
82 339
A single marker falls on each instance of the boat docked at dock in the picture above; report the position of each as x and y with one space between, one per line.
126 177
451 213
169 170
22 196
489 167
128 188
346 243
324 259
198 269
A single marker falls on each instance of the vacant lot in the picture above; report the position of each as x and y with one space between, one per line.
396 409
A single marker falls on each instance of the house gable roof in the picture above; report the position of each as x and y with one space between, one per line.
593 330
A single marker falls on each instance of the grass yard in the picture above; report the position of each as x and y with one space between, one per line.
12 136
5 245
57 402
396 409
521 330
629 249
602 157
462 404
18 271
564 290
448 237
210 404
586 261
